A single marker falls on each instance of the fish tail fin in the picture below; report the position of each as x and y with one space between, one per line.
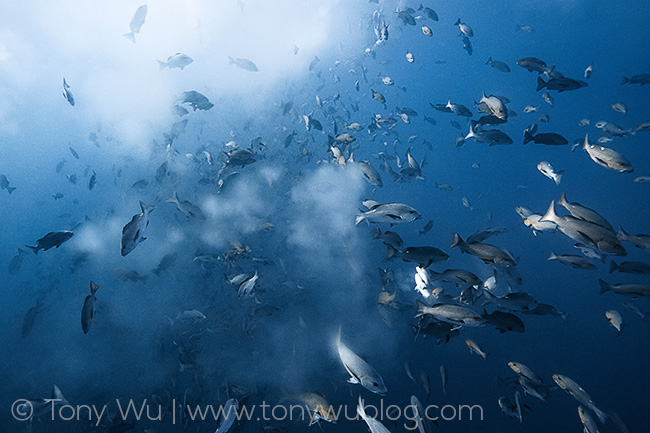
625 80
604 286
458 242
562 201
471 133
35 249
622 234
93 287
10 189
130 36
528 137
173 198
421 308
553 256
540 83
550 214
231 61
146 208
489 60
161 65
58 395
377 233
359 218
457 22
558 178
613 266
391 252
602 416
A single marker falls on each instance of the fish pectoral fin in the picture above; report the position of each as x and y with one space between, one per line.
395 217
353 380
591 241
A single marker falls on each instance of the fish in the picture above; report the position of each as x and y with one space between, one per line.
607 157
475 348
196 100
467 45
370 174
523 370
37 408
188 209
427 227
499 66
392 213
588 422
620 107
560 84
533 64
228 416
635 309
318 406
585 232
576 391
588 71
243 64
245 289
4 184
443 379
613 129
430 13
615 319
16 261
92 181
426 30
88 310
165 263
584 213
486 252
129 275
132 233
409 57
52 239
577 262
547 170
30 318
634 290
424 256
641 79
136 23
640 241
451 313
548 138
464 28
374 425
495 106
178 60
406 17
638 268
515 301
360 371
67 93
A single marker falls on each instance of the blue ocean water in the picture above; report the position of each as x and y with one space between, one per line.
175 333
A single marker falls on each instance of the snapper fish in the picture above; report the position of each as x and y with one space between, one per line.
178 60
136 23
52 239
132 232
360 371
243 64
88 310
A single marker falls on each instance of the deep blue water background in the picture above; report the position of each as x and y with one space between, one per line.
323 268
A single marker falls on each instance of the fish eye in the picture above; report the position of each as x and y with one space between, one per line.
375 384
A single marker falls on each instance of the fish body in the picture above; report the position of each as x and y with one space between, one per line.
132 233
451 313
393 213
67 94
486 252
88 310
576 391
607 157
475 348
52 239
562 84
360 371
136 23
547 170
188 209
635 290
178 60
4 184
243 64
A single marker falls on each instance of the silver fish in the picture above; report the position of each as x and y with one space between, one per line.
136 23
88 310
360 371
